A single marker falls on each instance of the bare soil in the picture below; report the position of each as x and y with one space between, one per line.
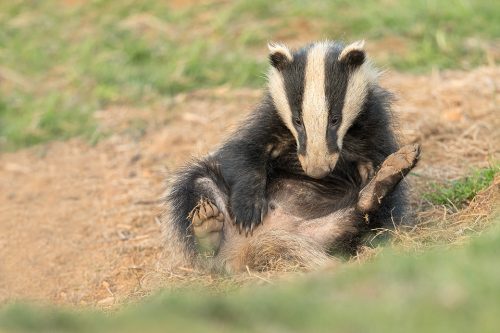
79 222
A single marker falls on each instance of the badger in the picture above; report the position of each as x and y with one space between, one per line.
309 173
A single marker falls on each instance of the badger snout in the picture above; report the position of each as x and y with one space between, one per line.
318 168
317 172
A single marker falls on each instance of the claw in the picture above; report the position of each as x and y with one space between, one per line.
196 220
263 212
209 210
202 212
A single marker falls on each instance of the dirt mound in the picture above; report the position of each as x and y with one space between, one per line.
79 223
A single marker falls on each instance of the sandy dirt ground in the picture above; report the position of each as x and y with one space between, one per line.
79 223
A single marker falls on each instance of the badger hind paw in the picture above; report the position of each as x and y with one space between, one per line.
207 222
395 167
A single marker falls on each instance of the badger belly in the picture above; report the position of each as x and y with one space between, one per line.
301 225
309 199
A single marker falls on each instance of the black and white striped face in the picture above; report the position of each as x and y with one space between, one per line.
319 91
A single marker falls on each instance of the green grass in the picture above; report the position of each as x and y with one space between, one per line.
442 290
457 193
59 63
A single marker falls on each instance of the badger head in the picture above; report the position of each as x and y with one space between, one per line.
319 91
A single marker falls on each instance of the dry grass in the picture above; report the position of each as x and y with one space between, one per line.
437 226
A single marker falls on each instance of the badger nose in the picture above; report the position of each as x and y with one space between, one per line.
317 172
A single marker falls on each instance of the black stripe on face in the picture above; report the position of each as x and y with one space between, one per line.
293 77
336 76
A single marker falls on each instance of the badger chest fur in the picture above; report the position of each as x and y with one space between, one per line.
313 168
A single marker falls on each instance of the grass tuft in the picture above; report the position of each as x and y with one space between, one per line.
457 193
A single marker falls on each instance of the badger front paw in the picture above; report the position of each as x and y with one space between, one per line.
248 211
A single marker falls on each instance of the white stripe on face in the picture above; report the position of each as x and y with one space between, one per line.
357 89
278 93
315 113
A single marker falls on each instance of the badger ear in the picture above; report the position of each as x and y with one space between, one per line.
353 54
279 55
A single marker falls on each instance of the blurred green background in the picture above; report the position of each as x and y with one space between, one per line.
62 60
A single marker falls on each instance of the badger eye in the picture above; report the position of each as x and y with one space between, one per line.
334 121
297 121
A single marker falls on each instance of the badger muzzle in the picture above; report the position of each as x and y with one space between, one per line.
318 166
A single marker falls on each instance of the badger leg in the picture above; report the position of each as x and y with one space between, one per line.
395 167
207 223
198 207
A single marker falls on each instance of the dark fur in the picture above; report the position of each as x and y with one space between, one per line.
249 167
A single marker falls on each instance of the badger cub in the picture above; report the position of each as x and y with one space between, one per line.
299 162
